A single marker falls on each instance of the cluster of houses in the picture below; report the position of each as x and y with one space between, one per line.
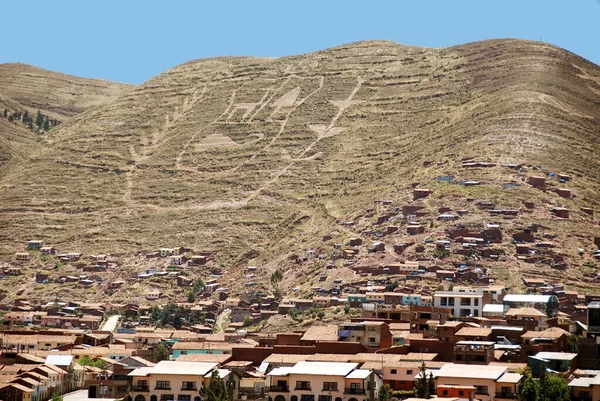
479 354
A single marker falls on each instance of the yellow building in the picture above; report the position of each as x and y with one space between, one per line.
175 380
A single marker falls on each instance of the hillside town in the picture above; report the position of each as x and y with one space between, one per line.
419 313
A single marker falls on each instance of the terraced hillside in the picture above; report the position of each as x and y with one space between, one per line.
58 96
256 160
55 94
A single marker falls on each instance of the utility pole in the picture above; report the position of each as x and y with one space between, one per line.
372 384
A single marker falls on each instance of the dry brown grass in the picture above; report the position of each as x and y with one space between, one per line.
137 173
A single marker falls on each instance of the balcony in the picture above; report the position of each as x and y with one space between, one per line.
140 389
162 388
330 389
303 388
277 389
354 391
506 396
189 388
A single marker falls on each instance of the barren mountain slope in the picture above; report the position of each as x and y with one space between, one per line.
258 159
57 95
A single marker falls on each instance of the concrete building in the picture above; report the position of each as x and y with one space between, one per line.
322 381
463 304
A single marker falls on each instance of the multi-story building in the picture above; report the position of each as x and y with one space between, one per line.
463 304
497 291
322 381
174 380
485 383
371 334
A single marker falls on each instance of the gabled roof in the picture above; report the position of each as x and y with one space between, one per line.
525 312
455 370
474 332
552 332
321 333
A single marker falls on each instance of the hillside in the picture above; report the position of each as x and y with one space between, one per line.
257 160
57 96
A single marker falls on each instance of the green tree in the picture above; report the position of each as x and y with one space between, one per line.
247 320
216 389
198 285
530 390
161 353
276 276
5 113
57 397
46 124
431 384
391 285
422 390
191 296
347 308
97 363
39 119
385 393
25 117
556 389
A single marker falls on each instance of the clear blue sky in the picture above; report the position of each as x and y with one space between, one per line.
132 41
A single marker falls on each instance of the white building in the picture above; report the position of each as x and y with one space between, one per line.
463 304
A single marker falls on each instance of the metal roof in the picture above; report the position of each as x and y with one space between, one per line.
59 360
528 298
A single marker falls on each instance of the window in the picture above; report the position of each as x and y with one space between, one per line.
444 301
184 397
188 386
393 371
163 385
409 372
307 397
324 398
461 393
465 302
465 312
481 389
476 300
166 397
302 385
444 392
372 339
330 386
371 328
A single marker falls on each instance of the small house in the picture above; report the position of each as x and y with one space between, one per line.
561 212
22 256
35 244
537 182
355 242
563 192
197 260
178 260
47 250
419 193
414 229
13 271
183 281
116 284
153 295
